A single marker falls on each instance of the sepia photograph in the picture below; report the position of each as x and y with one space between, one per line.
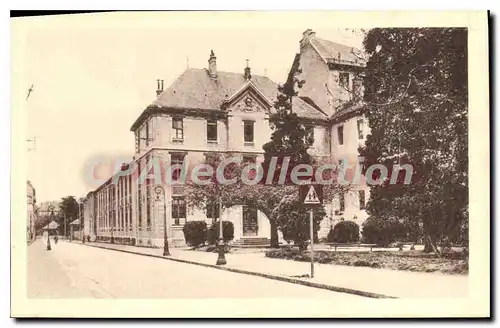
250 160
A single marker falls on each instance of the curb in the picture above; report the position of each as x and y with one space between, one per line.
258 274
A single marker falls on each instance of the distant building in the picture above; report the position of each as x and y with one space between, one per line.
206 112
31 211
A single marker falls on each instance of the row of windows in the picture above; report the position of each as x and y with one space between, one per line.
340 132
178 132
248 132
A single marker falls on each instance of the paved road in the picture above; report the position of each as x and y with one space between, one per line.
71 270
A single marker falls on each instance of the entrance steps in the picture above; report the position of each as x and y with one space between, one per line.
251 242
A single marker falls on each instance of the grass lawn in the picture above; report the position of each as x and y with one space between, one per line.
405 260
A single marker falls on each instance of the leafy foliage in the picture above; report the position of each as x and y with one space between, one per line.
195 233
214 232
344 232
293 219
382 231
416 92
68 212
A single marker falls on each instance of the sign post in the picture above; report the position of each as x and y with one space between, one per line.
311 196
311 234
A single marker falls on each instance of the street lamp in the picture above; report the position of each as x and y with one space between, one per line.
159 190
51 209
221 258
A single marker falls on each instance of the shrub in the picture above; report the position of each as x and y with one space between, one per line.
195 233
382 231
227 232
344 232
293 220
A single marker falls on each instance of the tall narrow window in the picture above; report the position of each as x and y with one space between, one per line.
130 202
148 201
212 131
248 131
340 134
122 194
178 128
360 129
147 133
362 201
137 142
176 159
342 202
178 209
139 196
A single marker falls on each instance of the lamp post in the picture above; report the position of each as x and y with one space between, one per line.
51 209
221 258
159 190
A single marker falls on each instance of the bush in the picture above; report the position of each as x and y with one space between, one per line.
344 232
227 232
382 231
293 220
195 233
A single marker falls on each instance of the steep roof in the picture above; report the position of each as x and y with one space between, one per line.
330 51
348 109
195 89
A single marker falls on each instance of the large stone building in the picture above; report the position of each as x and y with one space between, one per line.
206 112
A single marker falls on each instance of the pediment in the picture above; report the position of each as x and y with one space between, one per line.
248 100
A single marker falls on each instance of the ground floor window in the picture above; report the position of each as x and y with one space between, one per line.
178 209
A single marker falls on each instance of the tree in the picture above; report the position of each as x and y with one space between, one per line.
382 231
293 219
344 232
416 96
68 212
288 140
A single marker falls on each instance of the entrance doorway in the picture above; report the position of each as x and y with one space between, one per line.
250 222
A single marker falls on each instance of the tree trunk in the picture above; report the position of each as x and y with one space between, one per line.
430 240
274 234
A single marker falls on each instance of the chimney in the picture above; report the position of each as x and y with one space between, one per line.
212 65
248 75
357 89
159 87
307 36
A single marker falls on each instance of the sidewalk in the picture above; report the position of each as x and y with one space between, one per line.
377 283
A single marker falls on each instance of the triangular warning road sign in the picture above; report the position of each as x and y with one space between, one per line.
312 197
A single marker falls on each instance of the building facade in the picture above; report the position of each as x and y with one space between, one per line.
206 112
333 73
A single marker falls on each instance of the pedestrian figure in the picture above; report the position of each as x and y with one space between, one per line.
56 239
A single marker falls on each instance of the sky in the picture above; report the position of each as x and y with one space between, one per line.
94 74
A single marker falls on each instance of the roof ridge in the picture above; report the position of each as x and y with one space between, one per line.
335 42
225 72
